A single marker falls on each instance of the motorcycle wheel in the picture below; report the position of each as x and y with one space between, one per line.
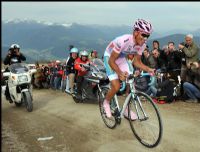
76 99
18 104
27 100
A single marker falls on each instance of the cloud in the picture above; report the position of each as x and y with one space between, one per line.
162 14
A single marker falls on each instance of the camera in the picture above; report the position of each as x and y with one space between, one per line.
13 51
184 44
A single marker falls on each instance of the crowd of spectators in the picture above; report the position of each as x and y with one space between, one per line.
183 61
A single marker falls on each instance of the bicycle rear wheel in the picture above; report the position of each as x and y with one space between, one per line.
109 122
147 129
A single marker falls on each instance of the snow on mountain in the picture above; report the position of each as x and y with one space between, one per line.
48 23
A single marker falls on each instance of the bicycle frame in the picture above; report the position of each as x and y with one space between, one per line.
131 94
137 107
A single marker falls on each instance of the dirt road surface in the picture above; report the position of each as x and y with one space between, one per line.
79 127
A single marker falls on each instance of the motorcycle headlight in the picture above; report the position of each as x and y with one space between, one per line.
22 78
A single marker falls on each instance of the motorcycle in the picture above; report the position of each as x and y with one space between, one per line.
94 80
19 84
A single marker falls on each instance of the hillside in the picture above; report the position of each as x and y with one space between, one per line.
50 41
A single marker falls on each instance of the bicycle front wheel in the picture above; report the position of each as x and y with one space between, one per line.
148 127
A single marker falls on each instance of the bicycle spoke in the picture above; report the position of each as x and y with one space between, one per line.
147 129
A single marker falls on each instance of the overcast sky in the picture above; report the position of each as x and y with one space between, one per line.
163 15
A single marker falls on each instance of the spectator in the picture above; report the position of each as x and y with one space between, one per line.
160 62
93 54
192 87
156 45
148 59
67 78
58 75
64 77
173 62
165 49
38 76
71 70
173 57
53 70
191 50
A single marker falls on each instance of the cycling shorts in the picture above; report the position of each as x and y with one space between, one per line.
123 65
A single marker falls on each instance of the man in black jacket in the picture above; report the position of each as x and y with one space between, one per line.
70 69
14 55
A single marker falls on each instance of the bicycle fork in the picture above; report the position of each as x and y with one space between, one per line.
137 99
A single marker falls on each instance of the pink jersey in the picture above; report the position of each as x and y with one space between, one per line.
124 45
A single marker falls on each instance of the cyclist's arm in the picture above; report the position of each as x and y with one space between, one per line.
113 65
138 64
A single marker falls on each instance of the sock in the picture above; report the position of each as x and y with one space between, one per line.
106 101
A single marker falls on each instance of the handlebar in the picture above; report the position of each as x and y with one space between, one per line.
166 70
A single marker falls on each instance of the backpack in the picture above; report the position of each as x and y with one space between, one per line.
166 90
141 83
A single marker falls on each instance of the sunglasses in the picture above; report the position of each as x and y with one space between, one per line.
145 35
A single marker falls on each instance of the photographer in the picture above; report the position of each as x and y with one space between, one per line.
183 56
14 55
191 50
192 86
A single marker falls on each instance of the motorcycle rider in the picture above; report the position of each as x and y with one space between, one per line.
83 59
14 56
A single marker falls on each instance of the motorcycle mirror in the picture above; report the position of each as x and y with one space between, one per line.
6 74
33 71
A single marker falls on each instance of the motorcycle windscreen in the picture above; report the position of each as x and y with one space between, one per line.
18 68
99 64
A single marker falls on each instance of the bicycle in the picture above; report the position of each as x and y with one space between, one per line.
148 127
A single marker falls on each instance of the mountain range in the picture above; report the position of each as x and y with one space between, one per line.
50 41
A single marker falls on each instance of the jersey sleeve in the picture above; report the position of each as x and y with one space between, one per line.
117 45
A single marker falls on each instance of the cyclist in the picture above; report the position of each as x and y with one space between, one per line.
115 61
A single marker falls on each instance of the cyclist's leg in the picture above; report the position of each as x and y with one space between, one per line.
113 77
127 66
115 86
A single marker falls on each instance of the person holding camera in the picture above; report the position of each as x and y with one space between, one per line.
14 55
192 87
190 50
